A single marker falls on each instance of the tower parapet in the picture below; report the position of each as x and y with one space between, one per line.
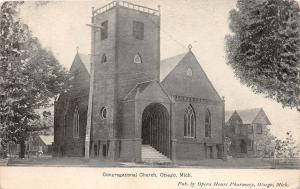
128 5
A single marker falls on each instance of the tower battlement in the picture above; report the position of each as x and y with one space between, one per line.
128 5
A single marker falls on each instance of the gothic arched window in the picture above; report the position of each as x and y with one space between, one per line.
76 123
189 122
137 59
207 124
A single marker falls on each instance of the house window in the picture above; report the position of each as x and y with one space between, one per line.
250 129
104 30
137 59
258 129
103 59
76 123
189 122
138 30
103 112
207 124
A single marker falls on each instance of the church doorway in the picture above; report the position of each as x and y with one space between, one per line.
156 128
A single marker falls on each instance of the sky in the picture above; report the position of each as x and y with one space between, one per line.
61 27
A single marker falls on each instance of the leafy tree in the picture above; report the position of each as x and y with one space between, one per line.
30 77
44 125
266 143
264 48
287 147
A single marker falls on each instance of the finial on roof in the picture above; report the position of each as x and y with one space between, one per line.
158 7
93 10
190 47
77 49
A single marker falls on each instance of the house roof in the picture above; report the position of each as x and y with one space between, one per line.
250 116
228 115
168 64
47 139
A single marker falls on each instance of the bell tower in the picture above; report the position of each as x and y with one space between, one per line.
125 51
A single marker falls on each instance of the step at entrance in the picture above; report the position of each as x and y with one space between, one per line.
151 155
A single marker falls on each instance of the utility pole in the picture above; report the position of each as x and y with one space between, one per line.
91 91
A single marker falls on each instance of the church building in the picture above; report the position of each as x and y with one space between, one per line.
125 104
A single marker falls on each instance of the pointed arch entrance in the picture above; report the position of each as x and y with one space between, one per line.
156 128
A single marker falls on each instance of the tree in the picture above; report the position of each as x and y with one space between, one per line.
287 147
44 125
30 77
264 48
266 143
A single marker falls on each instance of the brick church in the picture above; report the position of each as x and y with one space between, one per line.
125 104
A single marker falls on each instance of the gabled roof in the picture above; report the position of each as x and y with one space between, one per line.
167 65
141 88
86 61
228 115
47 139
175 80
82 59
250 116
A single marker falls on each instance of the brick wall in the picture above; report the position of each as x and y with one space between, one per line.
193 148
131 73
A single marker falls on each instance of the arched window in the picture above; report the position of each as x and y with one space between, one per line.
137 59
189 122
104 58
207 124
103 112
76 123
